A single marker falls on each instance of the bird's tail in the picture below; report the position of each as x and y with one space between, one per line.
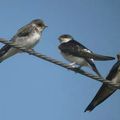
89 108
101 57
92 65
96 70
104 92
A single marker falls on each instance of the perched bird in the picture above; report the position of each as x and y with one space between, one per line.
70 49
106 90
27 36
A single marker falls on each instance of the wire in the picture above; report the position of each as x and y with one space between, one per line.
59 63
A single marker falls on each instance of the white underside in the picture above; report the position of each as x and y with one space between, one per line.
77 60
29 41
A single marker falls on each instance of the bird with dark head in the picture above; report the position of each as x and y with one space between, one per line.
70 49
65 38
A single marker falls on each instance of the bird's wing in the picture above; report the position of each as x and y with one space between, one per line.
78 50
72 47
25 31
99 57
105 91
113 71
4 49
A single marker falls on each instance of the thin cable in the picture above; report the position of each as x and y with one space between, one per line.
59 63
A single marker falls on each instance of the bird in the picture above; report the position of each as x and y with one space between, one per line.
70 50
106 90
27 37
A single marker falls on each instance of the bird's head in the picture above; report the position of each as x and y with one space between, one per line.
39 24
65 38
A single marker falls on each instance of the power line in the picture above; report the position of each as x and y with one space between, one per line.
59 63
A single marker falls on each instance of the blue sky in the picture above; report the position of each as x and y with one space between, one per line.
33 89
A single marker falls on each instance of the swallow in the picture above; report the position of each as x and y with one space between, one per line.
70 50
106 90
27 36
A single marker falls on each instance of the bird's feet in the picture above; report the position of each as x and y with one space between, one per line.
73 65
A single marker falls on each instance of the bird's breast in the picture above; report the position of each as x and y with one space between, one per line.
77 60
34 37
33 40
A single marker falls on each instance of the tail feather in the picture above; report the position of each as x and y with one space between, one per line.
104 92
92 65
91 55
89 108
102 57
96 71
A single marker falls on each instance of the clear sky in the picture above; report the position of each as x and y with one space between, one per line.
33 89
